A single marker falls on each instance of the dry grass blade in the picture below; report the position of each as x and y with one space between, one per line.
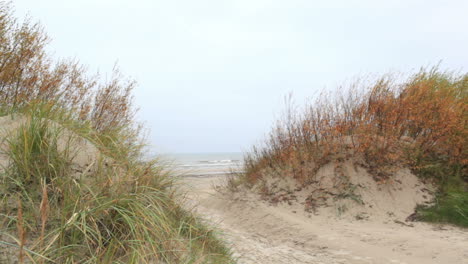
44 210
21 232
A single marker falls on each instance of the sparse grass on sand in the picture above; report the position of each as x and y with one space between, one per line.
74 186
418 123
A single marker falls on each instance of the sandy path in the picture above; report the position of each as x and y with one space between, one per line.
262 233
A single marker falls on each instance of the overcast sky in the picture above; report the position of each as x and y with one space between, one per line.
212 74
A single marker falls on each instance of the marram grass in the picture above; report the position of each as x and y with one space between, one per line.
118 215
124 211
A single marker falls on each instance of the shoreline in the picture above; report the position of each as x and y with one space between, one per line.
207 175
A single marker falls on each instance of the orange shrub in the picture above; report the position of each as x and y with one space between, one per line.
386 124
28 74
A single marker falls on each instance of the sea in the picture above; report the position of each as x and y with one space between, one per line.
205 164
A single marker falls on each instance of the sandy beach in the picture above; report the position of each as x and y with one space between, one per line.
260 232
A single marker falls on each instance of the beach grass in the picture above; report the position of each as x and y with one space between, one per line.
117 207
449 207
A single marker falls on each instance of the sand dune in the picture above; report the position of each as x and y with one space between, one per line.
261 232
265 231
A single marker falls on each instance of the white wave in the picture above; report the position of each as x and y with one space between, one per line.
218 161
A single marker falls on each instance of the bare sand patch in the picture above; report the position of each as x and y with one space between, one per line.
262 232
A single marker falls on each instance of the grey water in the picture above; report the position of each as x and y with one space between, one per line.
201 164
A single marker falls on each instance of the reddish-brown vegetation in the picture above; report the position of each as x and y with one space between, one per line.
28 74
417 123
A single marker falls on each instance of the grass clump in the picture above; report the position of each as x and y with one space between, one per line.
419 123
35 154
449 207
123 214
74 187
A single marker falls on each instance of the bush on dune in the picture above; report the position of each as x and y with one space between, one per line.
115 208
420 123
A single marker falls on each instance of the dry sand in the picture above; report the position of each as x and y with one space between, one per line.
261 232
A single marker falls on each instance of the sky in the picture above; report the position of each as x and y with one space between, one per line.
213 74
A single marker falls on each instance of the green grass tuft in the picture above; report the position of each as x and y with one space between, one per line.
450 207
